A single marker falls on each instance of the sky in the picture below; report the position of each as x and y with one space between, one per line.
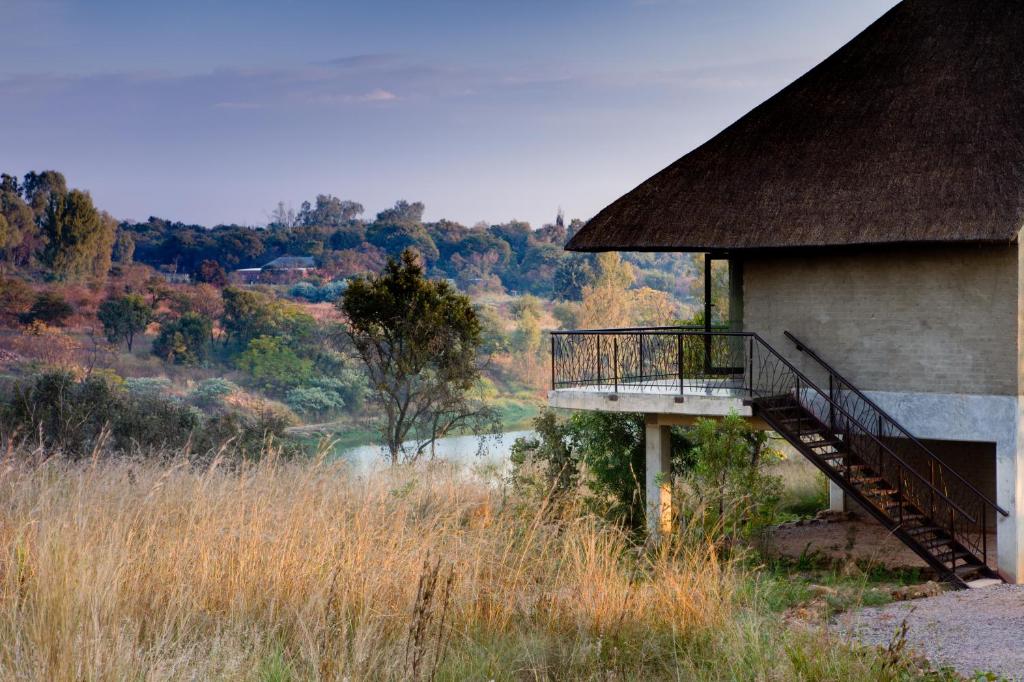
213 111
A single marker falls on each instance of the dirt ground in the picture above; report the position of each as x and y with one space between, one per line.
842 538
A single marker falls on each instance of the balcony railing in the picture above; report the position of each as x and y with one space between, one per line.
652 359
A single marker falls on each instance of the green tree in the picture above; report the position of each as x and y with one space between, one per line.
572 277
79 238
247 315
124 317
20 239
273 364
419 340
38 187
184 341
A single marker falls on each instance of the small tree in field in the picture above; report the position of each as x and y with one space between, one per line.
419 340
124 317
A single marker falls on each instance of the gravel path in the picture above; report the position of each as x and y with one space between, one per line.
968 630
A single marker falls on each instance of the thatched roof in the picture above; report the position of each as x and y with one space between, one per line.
913 132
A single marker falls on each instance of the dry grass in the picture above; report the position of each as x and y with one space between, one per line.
114 570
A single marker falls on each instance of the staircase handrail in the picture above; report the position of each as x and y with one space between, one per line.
803 348
866 430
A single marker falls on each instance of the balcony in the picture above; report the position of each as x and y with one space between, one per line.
666 370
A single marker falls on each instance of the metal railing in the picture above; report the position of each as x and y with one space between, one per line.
648 359
685 359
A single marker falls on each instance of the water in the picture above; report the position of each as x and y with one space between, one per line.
460 449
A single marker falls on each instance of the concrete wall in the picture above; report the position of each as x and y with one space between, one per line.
929 319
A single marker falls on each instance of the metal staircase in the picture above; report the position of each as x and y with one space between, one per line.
931 508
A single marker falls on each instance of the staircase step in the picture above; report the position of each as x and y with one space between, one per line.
968 570
922 530
937 542
954 554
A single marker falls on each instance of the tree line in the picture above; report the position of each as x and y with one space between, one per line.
58 232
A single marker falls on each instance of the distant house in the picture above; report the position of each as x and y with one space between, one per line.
281 269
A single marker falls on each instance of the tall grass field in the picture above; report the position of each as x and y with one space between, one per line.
126 570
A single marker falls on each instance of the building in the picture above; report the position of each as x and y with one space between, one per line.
279 270
870 214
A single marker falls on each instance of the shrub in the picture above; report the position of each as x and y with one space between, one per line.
332 291
74 416
305 290
148 386
49 307
241 436
211 392
725 488
16 297
729 493
315 401
273 364
185 341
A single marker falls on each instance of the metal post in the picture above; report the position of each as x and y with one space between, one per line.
599 360
615 360
640 366
984 534
679 360
931 488
899 502
831 405
553 362
750 364
799 419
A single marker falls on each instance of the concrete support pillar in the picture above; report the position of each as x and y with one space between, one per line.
659 485
836 498
1010 489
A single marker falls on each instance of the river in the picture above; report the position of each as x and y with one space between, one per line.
462 449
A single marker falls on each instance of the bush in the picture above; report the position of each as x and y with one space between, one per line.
16 297
75 416
305 290
273 364
327 395
211 392
185 341
314 401
49 307
148 386
332 291
727 492
247 437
